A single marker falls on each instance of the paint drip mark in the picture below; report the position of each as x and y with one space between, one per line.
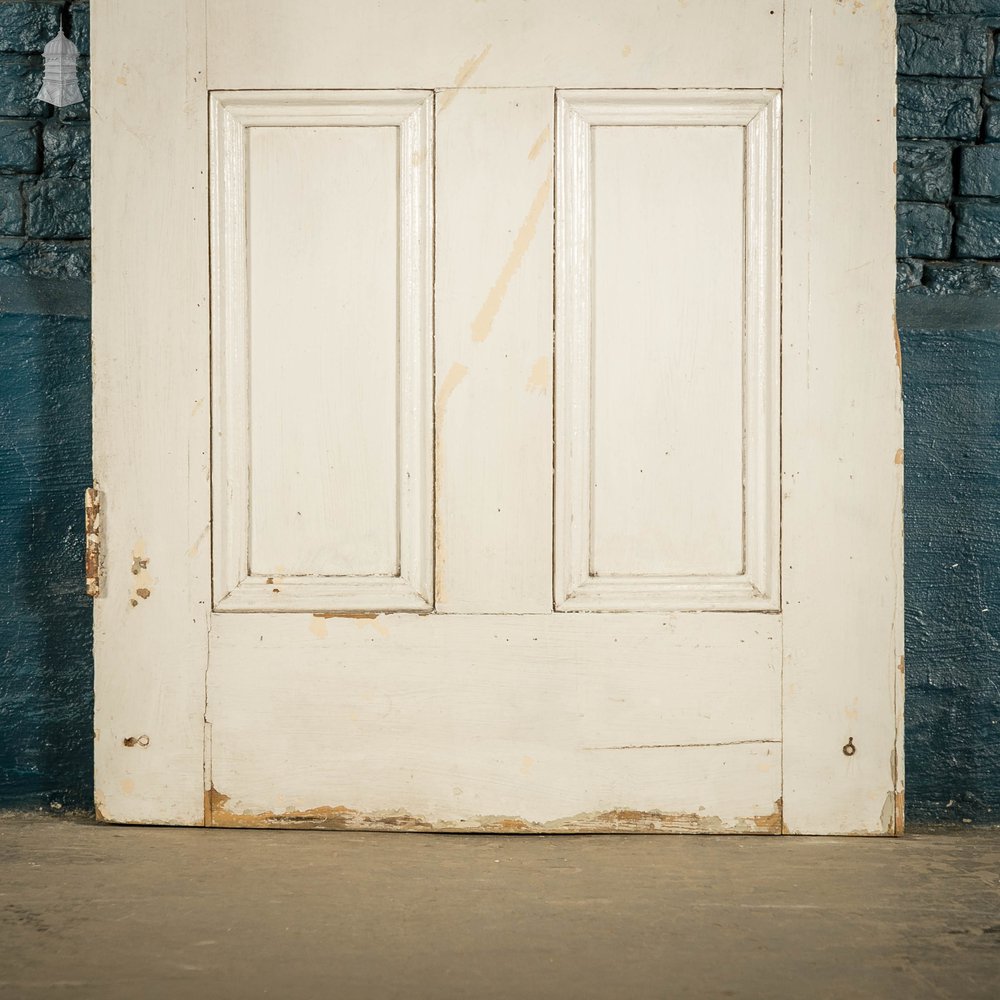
143 582
482 325
540 143
456 373
462 77
540 377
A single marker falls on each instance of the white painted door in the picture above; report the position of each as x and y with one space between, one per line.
497 415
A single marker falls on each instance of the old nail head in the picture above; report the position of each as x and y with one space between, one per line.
849 748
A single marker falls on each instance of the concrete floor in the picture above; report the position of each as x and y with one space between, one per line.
147 913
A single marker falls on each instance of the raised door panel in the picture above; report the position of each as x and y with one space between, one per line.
667 350
667 381
322 351
321 208
508 723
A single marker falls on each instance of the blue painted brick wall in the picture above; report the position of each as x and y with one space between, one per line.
948 243
46 673
951 382
948 120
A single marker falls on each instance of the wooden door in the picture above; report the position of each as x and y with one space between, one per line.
497 416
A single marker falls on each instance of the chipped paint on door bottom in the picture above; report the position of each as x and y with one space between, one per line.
611 821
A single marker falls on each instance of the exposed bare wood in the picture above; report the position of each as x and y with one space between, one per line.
609 821
92 534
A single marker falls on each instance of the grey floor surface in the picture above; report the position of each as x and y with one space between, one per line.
144 913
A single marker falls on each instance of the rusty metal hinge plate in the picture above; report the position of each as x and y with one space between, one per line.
92 508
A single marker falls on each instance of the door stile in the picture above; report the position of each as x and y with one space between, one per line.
842 471
151 409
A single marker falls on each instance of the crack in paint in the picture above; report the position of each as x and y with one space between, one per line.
683 746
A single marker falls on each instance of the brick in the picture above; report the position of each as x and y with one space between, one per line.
58 208
11 207
20 81
939 109
19 147
924 171
939 47
974 8
66 150
962 278
44 258
992 130
980 170
923 230
909 275
977 230
26 25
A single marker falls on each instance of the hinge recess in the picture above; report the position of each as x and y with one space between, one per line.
92 508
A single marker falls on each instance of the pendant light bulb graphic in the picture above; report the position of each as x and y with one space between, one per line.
60 86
